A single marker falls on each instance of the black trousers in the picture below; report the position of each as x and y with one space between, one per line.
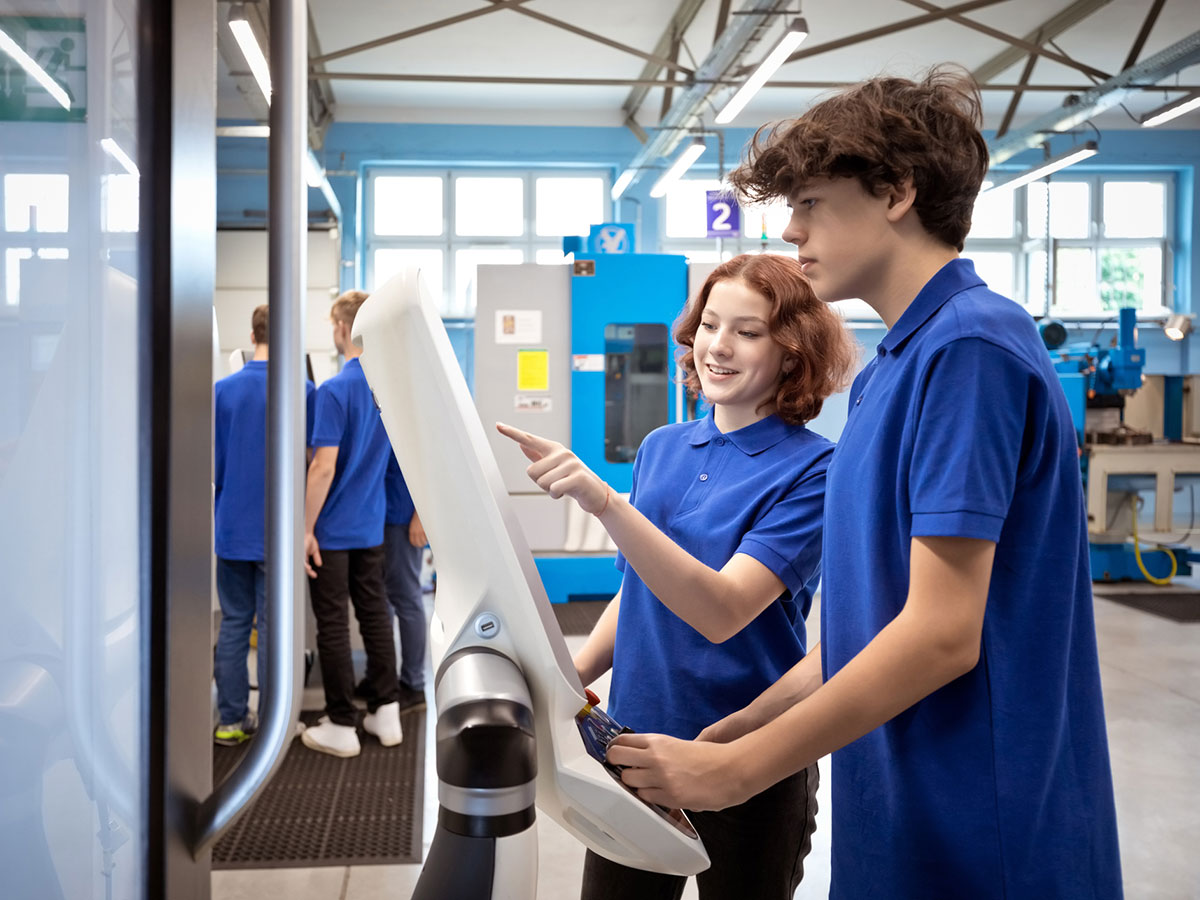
757 851
353 576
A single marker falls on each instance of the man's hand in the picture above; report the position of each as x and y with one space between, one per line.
312 550
416 532
558 471
730 728
685 774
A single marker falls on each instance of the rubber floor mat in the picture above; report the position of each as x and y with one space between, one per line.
320 810
578 616
1169 603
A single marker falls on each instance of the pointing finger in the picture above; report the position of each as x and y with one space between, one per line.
529 442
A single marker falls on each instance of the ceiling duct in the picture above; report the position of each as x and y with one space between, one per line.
1096 100
724 60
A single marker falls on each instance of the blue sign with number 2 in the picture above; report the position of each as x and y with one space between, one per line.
724 215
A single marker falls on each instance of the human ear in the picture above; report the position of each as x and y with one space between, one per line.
900 199
788 365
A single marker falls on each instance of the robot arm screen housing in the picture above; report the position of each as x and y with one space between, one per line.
489 593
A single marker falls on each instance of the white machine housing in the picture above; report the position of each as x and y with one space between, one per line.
485 569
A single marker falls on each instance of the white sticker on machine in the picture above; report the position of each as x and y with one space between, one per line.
525 403
518 326
587 362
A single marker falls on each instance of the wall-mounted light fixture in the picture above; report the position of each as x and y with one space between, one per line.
244 34
1049 166
1177 326
690 154
792 38
1172 110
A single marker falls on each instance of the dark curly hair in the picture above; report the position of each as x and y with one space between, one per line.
882 132
807 329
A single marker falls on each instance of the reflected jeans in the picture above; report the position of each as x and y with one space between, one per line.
242 590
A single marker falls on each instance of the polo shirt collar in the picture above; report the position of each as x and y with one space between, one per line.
352 363
753 439
952 278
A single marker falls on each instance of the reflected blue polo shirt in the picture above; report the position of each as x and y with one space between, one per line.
400 507
758 491
997 785
240 460
347 418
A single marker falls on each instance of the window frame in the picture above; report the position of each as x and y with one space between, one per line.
529 242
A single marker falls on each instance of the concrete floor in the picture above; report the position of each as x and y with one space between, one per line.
1151 676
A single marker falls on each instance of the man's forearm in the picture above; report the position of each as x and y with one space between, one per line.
316 490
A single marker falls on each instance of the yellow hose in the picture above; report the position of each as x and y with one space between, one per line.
1137 553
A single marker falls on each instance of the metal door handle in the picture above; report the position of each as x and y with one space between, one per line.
279 698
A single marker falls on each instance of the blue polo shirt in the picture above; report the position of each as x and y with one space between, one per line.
758 491
997 785
400 507
240 461
347 418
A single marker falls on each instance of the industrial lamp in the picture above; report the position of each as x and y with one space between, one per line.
691 153
792 38
244 34
1177 326
1172 110
1049 166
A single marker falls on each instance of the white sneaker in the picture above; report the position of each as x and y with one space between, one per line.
336 740
384 723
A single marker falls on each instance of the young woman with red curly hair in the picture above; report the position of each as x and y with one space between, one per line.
720 544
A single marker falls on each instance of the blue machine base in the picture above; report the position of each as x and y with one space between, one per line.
1116 562
578 577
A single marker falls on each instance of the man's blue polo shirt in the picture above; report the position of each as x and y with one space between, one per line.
347 418
240 460
997 785
758 491
400 507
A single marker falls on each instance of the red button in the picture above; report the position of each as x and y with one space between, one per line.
592 698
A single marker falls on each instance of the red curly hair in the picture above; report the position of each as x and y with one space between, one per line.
805 327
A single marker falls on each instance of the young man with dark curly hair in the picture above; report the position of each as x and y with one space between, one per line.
958 683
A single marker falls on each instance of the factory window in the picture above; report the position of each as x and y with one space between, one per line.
36 205
449 222
685 225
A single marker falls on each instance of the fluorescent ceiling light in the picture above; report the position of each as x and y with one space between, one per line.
792 38
1172 110
691 153
1050 166
313 173
113 149
26 62
618 188
240 26
244 131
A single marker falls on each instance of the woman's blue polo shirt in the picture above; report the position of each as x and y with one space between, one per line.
758 491
997 785
347 418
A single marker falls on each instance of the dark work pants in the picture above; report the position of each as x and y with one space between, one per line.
757 851
355 576
404 594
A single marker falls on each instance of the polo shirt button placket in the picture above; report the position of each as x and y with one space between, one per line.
704 476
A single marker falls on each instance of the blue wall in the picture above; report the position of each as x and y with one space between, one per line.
350 147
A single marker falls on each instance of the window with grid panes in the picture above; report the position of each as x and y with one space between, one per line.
448 222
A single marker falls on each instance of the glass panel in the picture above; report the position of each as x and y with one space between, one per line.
996 269
1070 209
1035 282
685 207
1135 209
489 206
72 733
408 205
636 386
465 262
119 200
764 223
1131 276
993 215
568 205
1075 291
390 260
35 202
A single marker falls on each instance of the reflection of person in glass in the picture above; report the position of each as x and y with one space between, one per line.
51 59
720 544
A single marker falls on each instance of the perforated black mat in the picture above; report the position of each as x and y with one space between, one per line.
320 810
1176 604
578 616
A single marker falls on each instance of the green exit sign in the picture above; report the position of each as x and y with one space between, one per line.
43 69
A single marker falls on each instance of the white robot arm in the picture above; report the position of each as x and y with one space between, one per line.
496 644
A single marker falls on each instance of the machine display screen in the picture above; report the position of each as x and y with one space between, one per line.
598 729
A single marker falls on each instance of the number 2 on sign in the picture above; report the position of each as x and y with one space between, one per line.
721 221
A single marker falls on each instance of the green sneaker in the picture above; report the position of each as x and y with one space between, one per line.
233 734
